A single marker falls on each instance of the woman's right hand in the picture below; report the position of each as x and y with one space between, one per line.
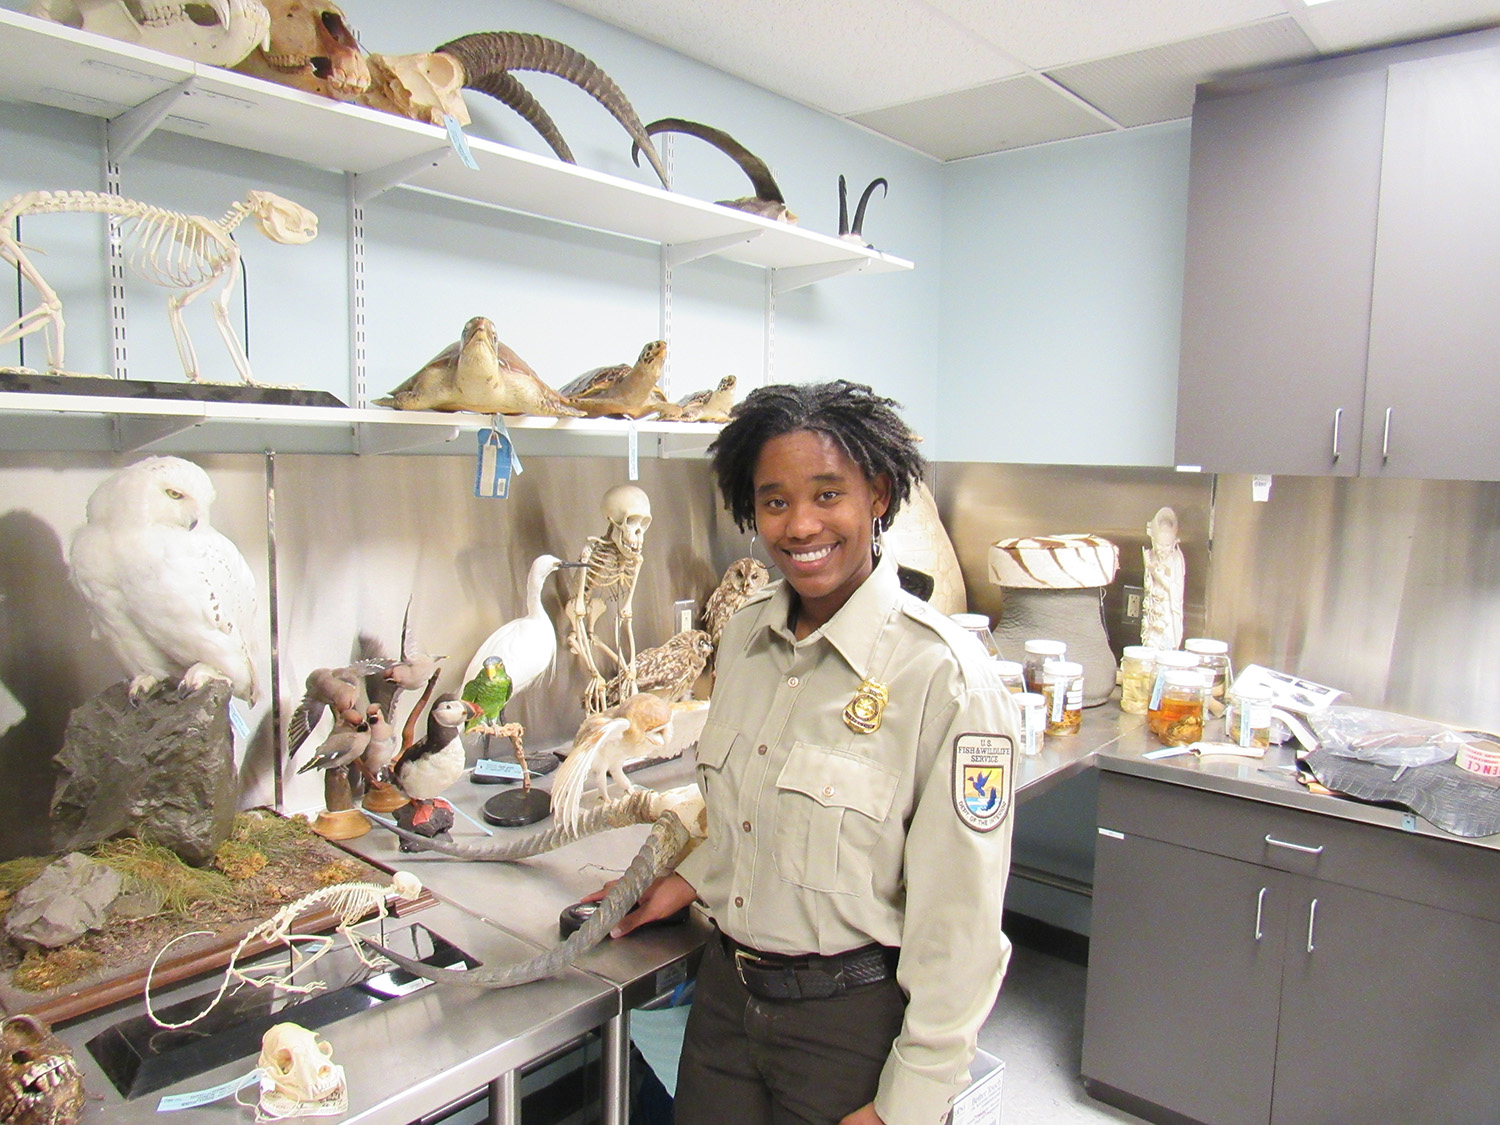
661 899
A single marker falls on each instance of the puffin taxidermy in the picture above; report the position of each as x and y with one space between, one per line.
767 202
481 374
429 767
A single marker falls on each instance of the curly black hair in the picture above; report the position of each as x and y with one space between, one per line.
864 425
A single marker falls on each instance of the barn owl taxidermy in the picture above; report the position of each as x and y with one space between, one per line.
169 594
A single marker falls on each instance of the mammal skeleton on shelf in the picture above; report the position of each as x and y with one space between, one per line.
612 564
189 253
351 903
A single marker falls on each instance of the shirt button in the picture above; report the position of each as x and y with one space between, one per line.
738 901
793 682
828 790
746 826
760 749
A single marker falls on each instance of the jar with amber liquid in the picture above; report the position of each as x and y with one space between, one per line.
1038 652
1062 688
1176 719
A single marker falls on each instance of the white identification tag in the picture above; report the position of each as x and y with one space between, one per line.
983 779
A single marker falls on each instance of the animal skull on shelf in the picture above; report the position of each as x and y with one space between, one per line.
312 49
628 510
39 1081
298 1064
426 87
221 32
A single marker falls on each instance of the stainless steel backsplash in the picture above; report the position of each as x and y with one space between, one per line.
1388 589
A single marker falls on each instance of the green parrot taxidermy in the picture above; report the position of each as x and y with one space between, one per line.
489 690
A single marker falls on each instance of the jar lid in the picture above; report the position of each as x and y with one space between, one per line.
971 620
1030 699
1206 646
1139 652
1183 678
1249 694
1008 667
1062 668
1047 648
1172 658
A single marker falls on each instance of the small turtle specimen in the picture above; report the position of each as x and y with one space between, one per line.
700 406
767 202
481 374
623 390
855 232
488 57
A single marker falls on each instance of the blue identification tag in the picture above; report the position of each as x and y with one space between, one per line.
170 1103
496 461
459 142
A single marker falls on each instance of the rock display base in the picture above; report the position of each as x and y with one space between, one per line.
162 770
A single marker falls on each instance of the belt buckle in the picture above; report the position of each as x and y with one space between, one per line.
740 957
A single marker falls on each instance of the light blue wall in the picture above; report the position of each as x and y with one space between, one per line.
1062 293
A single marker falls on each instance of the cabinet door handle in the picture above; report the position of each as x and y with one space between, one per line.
1385 437
1338 417
1275 843
1260 902
1312 918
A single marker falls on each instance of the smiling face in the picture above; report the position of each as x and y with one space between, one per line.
814 509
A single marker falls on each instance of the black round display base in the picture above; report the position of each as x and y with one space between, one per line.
541 762
516 808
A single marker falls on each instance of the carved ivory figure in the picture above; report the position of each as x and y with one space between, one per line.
1166 570
612 564
188 253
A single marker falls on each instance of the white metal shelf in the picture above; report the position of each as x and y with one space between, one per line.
52 64
41 421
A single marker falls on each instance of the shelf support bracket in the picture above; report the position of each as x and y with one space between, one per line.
373 438
377 181
125 132
787 278
681 253
670 447
134 432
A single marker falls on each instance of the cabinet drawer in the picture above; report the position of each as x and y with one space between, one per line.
1451 876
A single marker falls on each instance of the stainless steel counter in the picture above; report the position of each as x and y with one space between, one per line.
406 1057
1271 779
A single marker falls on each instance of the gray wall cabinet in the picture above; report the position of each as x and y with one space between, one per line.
1341 310
1251 963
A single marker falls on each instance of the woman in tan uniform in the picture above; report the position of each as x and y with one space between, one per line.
857 768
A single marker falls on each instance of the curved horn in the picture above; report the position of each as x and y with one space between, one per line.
859 212
485 53
752 165
665 842
843 207
507 88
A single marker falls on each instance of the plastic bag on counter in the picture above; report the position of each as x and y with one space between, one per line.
1385 738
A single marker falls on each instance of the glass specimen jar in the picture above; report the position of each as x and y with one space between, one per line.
1176 713
1037 654
979 625
1011 674
1137 670
1062 687
1247 722
1214 656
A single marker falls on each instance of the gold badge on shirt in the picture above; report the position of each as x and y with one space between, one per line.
864 711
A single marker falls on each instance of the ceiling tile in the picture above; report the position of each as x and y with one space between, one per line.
1048 33
1154 85
1348 25
1004 115
824 53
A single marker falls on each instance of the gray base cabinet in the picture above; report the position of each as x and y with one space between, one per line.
1251 963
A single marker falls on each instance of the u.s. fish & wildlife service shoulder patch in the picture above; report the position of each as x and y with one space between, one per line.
982 779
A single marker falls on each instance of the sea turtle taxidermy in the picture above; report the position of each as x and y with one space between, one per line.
854 232
699 406
481 374
767 202
488 57
624 389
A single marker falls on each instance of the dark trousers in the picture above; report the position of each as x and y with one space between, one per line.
781 1062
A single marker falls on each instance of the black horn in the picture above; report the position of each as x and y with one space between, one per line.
753 166
859 212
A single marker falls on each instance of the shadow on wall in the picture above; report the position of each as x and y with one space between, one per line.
44 643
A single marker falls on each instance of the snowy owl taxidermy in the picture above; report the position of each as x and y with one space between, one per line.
170 595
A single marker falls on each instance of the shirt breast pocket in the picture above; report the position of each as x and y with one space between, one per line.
830 808
715 745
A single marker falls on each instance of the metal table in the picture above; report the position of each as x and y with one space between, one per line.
407 1057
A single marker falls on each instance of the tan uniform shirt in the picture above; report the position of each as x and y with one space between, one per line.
822 839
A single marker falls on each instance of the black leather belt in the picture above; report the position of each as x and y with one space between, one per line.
774 976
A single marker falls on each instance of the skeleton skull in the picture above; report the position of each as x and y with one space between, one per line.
221 32
311 49
281 220
423 87
628 510
299 1064
39 1082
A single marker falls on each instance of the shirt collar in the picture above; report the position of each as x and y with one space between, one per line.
854 629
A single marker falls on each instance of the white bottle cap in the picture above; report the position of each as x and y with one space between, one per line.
1047 648
1205 646
1171 658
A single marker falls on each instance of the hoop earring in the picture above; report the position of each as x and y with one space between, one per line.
751 551
876 546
